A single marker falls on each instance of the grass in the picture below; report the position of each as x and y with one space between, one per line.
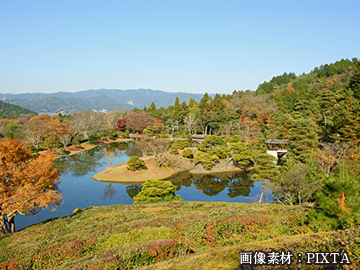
181 235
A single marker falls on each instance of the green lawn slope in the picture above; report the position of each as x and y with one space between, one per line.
181 235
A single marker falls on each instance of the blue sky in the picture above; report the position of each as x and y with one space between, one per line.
175 46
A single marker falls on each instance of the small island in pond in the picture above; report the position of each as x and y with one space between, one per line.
212 155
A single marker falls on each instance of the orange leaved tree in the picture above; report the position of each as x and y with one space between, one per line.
27 184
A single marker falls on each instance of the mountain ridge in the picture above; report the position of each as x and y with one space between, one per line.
45 103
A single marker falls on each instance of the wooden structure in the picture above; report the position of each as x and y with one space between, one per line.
277 144
198 138
277 148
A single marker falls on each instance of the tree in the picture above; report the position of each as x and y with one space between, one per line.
135 163
156 191
303 139
138 121
339 199
210 142
295 184
205 159
86 123
143 144
177 110
120 125
35 130
242 153
159 147
27 184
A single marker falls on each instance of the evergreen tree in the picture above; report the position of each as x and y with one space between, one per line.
354 83
265 169
339 199
176 111
204 102
218 104
152 107
303 139
183 111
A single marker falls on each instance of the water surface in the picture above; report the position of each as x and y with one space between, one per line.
81 191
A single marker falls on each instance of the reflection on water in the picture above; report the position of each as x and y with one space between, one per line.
81 191
109 192
236 184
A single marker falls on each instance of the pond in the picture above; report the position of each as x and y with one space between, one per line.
81 191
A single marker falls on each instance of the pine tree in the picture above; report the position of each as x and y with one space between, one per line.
339 199
303 139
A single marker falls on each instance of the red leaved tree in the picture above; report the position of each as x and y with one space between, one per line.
138 121
120 125
27 184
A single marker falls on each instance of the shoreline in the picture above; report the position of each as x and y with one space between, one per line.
88 146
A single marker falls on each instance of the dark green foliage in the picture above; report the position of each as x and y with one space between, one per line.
188 153
211 142
354 83
177 110
303 139
242 153
51 143
12 131
154 191
11 111
339 200
135 163
265 169
92 139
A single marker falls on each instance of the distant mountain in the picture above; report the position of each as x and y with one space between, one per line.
108 99
11 111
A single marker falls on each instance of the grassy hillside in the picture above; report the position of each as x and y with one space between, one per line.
182 235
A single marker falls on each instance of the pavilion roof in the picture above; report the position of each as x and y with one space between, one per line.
276 141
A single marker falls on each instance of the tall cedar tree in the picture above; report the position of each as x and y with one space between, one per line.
27 184
177 109
303 139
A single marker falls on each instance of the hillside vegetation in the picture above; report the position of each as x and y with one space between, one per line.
11 111
177 235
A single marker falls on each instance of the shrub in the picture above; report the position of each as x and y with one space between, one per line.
52 143
156 191
76 144
188 153
174 151
205 159
135 163
92 139
220 152
179 144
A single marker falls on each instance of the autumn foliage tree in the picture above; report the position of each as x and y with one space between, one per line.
138 121
27 184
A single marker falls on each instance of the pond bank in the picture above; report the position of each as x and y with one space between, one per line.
87 146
